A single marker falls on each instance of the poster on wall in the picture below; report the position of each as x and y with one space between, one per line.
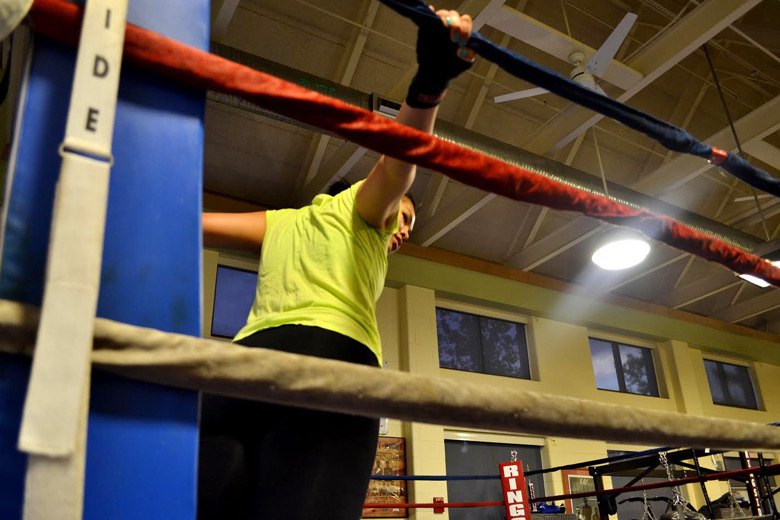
390 460
578 481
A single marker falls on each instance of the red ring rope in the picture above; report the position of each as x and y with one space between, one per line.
773 469
435 504
61 20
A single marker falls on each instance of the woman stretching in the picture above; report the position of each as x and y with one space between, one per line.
322 270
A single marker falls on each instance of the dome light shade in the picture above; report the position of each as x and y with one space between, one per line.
621 252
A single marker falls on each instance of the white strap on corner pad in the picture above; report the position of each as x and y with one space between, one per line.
53 430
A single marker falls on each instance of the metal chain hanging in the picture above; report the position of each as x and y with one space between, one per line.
735 511
647 513
678 499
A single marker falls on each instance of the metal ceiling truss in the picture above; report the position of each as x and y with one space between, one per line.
698 26
309 177
667 50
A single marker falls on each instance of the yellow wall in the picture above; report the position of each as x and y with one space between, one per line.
558 327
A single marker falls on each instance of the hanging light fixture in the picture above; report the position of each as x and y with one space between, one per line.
620 249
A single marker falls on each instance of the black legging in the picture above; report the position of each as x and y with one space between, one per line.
263 461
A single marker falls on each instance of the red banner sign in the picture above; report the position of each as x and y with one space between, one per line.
515 494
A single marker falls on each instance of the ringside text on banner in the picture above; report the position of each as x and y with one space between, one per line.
514 491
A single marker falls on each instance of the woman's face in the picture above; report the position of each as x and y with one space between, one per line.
406 218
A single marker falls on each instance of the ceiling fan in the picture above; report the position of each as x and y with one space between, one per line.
596 66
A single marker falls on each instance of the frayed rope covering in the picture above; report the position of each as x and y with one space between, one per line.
266 375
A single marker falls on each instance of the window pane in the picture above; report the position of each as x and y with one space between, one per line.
639 377
459 346
730 384
503 348
739 385
233 297
716 388
603 364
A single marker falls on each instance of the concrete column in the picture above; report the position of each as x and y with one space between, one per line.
678 365
561 356
682 368
420 355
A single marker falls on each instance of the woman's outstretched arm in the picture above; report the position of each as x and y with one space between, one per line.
237 231
441 57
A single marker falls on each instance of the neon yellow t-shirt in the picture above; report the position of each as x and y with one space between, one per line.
321 266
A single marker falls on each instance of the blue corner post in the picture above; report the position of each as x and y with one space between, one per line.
142 438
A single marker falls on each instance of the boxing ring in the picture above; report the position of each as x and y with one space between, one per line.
142 438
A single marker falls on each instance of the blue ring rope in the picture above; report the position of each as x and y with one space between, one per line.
527 474
668 135
615 458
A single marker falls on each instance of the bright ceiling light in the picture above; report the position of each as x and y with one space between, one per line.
754 280
758 281
620 250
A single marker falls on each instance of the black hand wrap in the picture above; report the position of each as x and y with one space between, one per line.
437 57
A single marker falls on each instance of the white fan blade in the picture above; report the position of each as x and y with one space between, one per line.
750 198
600 61
487 13
520 95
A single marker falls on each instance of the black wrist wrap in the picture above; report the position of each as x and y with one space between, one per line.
437 56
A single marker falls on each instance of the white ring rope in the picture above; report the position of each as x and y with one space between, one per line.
266 375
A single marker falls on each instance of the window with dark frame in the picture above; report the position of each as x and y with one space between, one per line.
482 458
623 368
234 293
481 344
730 385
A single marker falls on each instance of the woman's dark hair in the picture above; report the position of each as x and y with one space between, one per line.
411 199
341 185
337 187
